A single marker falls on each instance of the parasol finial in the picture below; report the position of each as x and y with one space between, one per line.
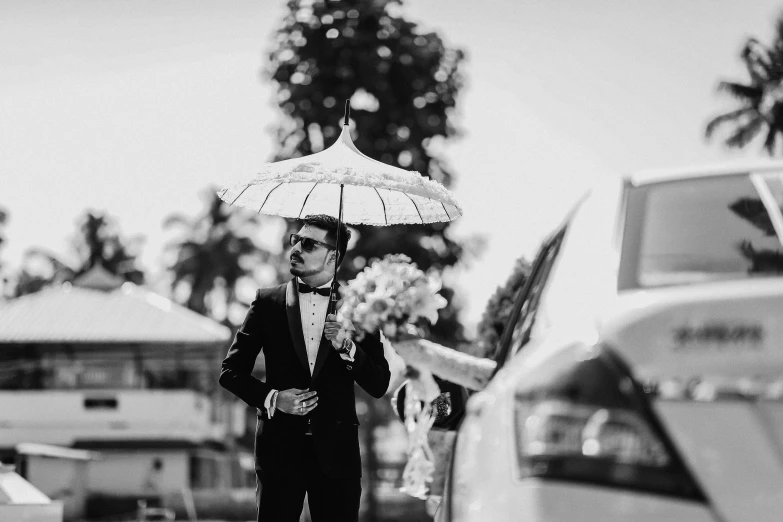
347 111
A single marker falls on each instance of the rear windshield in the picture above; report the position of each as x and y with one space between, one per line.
707 229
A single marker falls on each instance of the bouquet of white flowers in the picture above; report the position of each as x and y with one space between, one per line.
391 295
395 297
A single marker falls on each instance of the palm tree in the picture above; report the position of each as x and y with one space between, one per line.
761 99
214 252
98 243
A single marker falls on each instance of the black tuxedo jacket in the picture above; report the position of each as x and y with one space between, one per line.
274 324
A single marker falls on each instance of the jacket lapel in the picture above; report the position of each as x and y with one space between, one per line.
295 324
324 349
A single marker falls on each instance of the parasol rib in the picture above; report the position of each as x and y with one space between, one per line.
385 218
240 194
305 200
267 196
415 206
446 211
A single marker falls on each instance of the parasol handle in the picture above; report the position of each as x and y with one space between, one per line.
332 292
347 111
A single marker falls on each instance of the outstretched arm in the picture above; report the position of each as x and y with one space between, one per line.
449 364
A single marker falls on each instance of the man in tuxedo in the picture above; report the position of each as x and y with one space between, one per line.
307 433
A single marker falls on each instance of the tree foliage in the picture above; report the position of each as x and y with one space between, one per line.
402 82
213 252
498 311
760 99
3 276
98 242
3 221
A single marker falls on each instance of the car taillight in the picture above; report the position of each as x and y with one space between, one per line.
582 417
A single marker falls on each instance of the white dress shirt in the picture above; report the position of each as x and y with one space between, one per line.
312 310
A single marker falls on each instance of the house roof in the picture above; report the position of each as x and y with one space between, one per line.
98 278
128 314
55 452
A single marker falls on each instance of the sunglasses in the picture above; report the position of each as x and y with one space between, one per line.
308 243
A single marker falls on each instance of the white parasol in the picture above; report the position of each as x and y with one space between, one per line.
342 182
372 192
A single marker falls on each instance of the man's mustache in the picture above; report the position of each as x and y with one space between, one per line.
297 258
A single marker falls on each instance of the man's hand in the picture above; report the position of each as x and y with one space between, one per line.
334 331
296 402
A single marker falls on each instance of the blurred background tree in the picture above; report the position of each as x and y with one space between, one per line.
402 82
498 311
760 99
3 221
213 253
3 275
98 242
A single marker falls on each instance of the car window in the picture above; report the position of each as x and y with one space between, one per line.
706 229
524 314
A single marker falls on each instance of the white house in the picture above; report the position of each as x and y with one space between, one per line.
112 367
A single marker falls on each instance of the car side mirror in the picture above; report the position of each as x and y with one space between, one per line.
449 405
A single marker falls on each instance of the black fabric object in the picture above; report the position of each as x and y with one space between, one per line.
449 406
273 324
306 289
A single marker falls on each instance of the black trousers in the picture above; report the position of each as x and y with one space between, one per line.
281 495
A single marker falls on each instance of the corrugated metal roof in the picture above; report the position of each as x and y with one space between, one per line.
129 314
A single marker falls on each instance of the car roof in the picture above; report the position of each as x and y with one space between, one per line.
645 177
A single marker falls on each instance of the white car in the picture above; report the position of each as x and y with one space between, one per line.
641 375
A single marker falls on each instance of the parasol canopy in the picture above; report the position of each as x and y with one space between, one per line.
341 181
373 193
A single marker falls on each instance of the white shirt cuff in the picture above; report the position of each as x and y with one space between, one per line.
270 409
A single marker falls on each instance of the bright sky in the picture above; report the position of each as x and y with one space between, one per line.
135 107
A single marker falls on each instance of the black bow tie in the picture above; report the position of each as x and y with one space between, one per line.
306 289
